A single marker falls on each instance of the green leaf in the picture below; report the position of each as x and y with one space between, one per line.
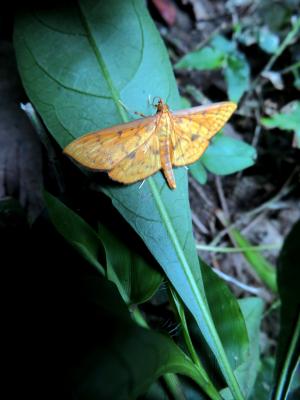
237 76
264 381
261 266
285 120
227 316
206 58
223 45
226 155
288 278
267 40
75 230
198 172
136 280
121 363
76 63
246 373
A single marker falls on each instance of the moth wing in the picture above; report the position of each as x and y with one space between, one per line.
102 150
139 164
193 128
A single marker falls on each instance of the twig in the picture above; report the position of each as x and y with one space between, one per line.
282 192
290 68
201 192
285 43
228 278
202 228
222 198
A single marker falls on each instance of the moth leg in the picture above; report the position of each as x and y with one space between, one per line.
141 185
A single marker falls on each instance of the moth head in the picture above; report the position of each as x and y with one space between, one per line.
159 104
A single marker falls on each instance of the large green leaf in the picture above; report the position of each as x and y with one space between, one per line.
227 316
264 380
288 279
75 230
118 359
252 309
76 63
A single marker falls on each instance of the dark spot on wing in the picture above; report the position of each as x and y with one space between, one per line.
131 155
120 133
194 137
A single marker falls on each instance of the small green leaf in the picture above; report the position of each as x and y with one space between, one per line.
226 155
284 120
198 172
237 76
136 280
75 230
223 45
206 58
267 40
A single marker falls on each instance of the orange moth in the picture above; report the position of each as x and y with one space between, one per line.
133 151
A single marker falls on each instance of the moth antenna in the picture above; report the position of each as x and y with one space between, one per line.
130 111
149 100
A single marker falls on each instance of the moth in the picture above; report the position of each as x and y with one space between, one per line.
136 150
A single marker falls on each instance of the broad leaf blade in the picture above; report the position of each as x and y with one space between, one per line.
252 309
75 74
120 363
227 316
75 230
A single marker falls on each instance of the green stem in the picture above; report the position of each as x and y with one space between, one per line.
219 353
209 389
174 387
284 379
290 68
217 249
286 42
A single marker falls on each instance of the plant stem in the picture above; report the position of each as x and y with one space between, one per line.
217 249
285 378
286 42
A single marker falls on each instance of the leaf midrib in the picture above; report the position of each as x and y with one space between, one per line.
102 65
